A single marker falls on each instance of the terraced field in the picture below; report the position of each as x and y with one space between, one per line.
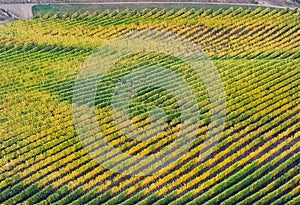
253 157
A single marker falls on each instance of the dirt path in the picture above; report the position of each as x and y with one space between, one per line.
280 3
21 11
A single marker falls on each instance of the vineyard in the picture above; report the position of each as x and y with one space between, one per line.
256 158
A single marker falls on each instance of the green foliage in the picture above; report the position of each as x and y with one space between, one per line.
253 159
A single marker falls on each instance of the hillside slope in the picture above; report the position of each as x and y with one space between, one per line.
56 120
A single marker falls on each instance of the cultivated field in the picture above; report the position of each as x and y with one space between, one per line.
243 146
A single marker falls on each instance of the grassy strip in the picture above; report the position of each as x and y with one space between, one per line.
72 8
